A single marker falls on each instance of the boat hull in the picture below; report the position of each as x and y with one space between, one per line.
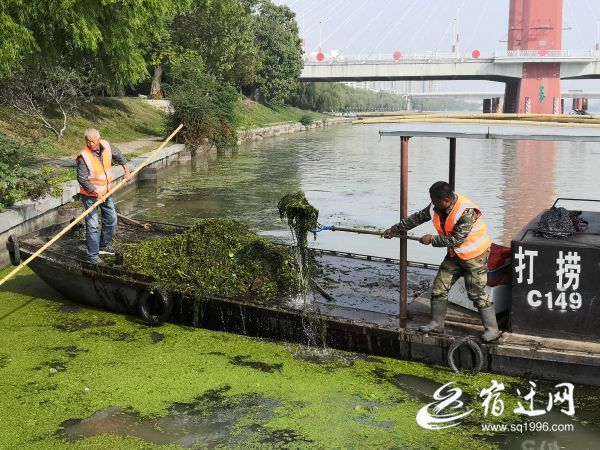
364 322
523 356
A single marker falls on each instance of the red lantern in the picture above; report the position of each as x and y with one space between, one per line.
397 55
320 56
543 51
476 54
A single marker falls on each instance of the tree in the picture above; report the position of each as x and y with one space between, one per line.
162 49
111 36
221 32
280 51
338 97
15 39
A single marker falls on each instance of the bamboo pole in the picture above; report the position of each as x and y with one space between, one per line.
87 211
130 221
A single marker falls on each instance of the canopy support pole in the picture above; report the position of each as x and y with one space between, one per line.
403 242
452 164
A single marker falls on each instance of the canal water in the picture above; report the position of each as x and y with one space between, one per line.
352 176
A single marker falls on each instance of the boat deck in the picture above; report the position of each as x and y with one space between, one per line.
366 289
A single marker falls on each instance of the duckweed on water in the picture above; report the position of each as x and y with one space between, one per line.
216 257
308 400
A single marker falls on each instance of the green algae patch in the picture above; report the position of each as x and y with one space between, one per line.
216 257
244 392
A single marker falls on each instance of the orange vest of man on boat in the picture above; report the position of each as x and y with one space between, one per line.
461 229
94 165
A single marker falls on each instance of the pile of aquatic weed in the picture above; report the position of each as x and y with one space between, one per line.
216 257
301 218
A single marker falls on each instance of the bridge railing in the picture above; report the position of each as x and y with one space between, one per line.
381 58
549 54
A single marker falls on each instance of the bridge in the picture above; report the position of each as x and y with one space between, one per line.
503 67
531 68
481 95
578 94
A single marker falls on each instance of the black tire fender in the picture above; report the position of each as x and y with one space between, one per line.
12 244
155 306
475 348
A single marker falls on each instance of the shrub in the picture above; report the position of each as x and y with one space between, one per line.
306 120
205 106
17 181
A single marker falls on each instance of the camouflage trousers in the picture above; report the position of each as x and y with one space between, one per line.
473 270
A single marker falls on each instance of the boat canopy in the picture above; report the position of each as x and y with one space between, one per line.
492 131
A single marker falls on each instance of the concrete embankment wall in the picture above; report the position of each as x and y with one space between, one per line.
28 216
258 134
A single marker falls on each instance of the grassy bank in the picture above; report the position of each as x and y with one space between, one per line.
256 115
118 119
127 119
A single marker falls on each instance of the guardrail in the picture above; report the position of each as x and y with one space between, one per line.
311 59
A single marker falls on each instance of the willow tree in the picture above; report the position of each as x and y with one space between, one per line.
110 36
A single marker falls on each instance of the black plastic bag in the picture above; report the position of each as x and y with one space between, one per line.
559 222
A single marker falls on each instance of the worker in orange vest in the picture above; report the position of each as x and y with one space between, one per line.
462 230
94 165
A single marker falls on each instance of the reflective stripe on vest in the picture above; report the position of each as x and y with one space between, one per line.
99 172
478 240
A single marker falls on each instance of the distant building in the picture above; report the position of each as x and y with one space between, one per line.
398 87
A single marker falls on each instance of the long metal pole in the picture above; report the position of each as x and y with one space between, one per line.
87 211
403 243
452 165
373 232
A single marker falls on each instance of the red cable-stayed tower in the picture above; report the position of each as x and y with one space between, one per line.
535 25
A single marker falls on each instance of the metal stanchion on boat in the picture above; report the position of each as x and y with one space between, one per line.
452 163
403 242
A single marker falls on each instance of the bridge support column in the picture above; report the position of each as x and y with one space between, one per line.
539 87
511 96
535 26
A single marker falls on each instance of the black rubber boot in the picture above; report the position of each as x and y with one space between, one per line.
488 319
438 316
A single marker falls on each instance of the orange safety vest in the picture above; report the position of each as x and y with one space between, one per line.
478 240
99 171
